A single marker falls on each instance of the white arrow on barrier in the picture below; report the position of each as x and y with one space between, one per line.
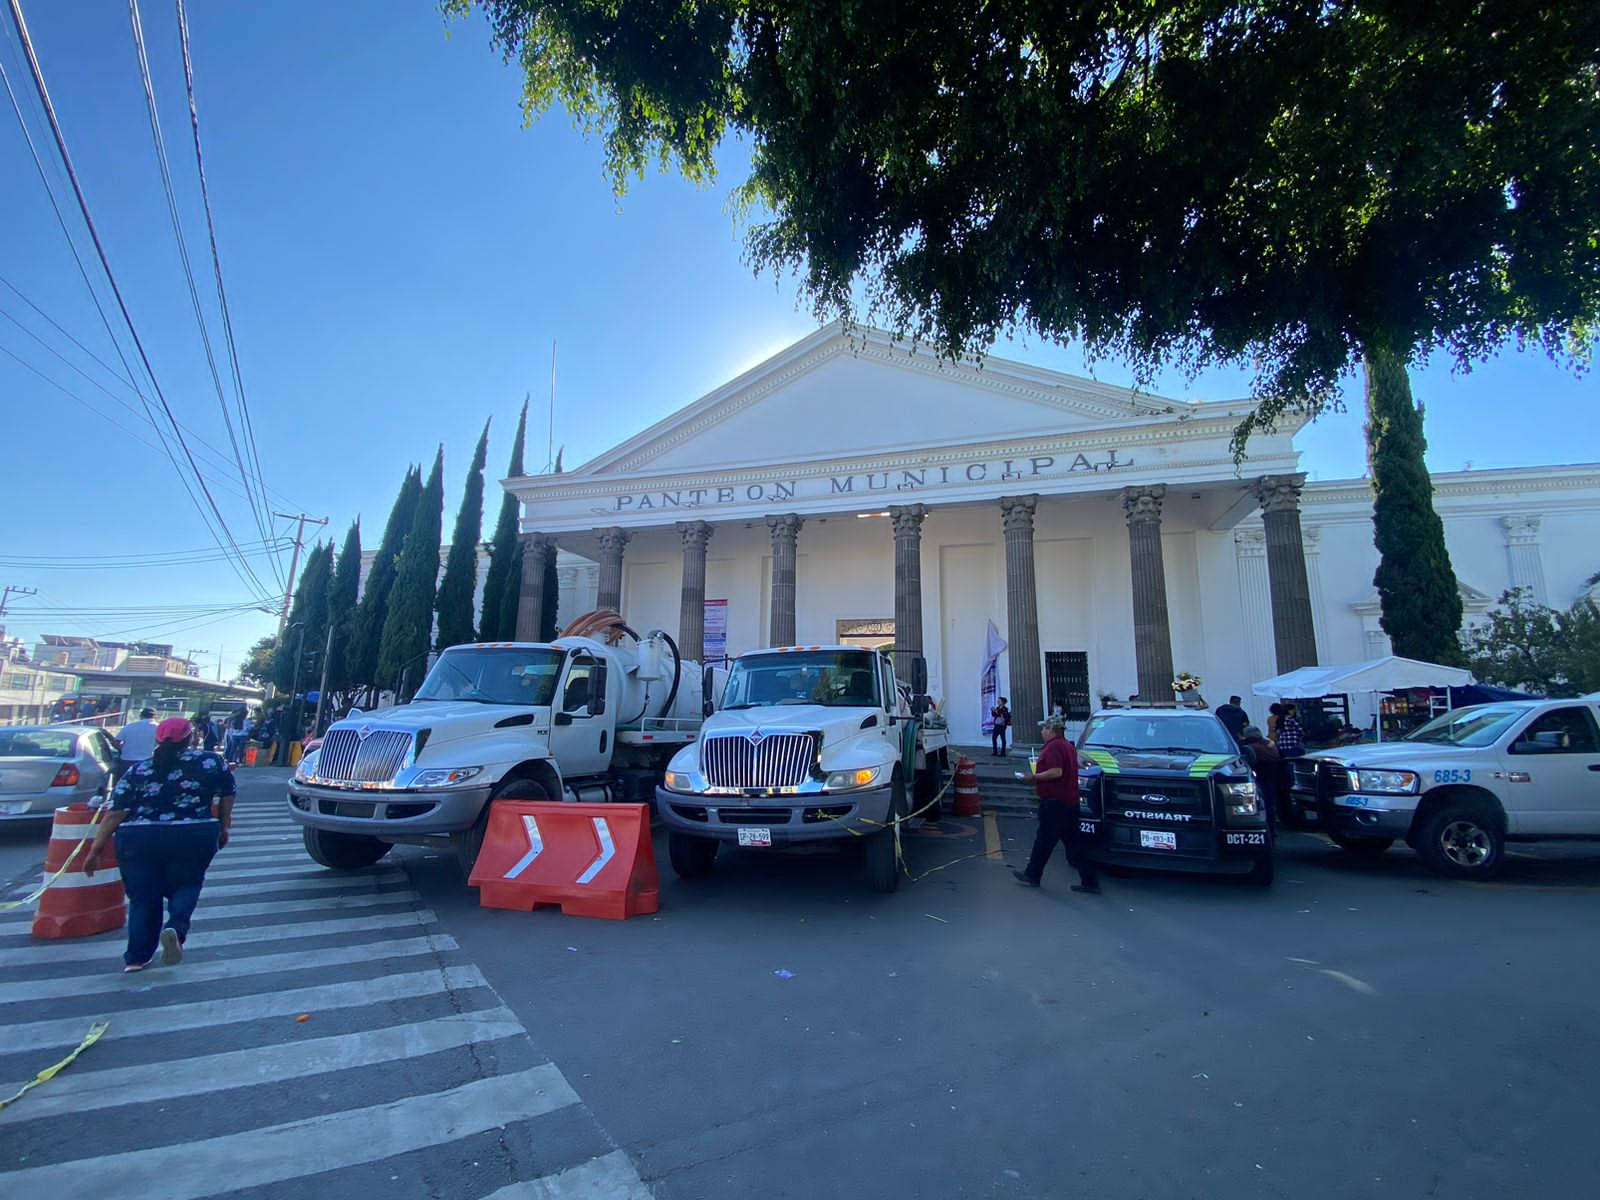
607 850
535 848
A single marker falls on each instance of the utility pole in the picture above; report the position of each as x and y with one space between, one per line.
14 590
294 563
322 688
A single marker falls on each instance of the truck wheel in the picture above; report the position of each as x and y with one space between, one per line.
1363 848
469 842
1262 871
1464 843
692 857
343 851
883 868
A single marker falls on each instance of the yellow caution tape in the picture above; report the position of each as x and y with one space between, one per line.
49 1073
8 905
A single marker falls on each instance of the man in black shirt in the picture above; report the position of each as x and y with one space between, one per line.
1233 716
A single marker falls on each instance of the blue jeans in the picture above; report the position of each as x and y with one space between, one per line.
162 865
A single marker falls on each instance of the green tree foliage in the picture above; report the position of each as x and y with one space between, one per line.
310 611
257 669
1271 181
460 580
503 550
552 599
408 624
1416 583
342 596
367 626
1537 649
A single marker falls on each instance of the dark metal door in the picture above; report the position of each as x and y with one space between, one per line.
1066 674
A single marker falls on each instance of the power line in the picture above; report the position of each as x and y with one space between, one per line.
165 168
241 568
132 564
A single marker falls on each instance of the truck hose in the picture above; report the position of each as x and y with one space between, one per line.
677 675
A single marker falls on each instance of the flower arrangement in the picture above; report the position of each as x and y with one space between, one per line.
1186 682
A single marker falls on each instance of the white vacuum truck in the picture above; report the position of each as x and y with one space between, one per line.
594 715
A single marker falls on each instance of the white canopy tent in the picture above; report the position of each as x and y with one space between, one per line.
1390 674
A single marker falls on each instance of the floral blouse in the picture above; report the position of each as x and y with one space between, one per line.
185 793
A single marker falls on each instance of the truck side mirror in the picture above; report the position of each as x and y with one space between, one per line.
597 690
919 676
708 704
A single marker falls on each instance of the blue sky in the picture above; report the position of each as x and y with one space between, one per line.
400 252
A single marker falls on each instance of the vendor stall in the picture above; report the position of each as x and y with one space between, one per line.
1400 688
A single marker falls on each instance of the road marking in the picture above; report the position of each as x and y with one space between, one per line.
213 1014
113 980
256 871
249 936
225 912
609 1177
991 838
85 1090
254 1157
326 881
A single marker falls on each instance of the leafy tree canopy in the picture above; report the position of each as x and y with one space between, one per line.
454 601
1289 182
310 611
1538 649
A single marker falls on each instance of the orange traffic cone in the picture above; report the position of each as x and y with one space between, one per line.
968 802
77 905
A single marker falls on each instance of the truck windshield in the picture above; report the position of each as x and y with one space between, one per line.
494 675
1199 734
835 678
1479 726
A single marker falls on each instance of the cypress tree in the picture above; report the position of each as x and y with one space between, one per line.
1416 584
505 548
342 608
552 583
310 609
461 568
408 625
367 627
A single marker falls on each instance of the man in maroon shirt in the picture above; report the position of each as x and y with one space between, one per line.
1056 781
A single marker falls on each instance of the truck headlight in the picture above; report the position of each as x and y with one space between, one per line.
1393 783
307 767
1240 797
678 781
859 778
446 777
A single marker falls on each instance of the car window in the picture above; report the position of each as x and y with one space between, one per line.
37 743
1198 734
1559 731
1480 725
575 695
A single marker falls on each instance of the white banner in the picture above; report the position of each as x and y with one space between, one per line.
716 632
989 677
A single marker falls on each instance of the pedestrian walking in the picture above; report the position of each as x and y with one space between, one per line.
1271 772
169 816
1055 779
137 741
1001 715
1291 737
1232 715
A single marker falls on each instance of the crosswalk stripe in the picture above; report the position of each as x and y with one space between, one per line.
250 935
211 1014
321 881
222 912
321 1143
247 871
81 1091
609 1177
296 963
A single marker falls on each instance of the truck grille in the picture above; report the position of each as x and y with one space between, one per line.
1319 777
777 760
348 757
1181 795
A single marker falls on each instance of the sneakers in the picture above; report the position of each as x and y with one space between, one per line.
132 967
1024 878
171 947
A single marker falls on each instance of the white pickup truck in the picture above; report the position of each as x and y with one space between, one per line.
580 718
1463 785
811 744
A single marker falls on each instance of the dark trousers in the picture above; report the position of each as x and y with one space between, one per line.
998 739
1058 823
162 865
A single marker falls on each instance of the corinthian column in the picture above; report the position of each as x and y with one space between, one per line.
907 519
692 607
1294 633
785 529
1022 616
536 552
1152 634
612 541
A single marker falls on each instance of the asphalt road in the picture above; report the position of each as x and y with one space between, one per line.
777 1031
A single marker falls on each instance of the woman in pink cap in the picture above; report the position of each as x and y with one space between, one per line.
167 832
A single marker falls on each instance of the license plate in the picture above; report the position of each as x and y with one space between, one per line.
13 808
1158 839
751 836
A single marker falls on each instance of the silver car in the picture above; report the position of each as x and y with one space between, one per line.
43 767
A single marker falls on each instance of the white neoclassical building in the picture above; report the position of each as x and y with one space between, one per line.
849 489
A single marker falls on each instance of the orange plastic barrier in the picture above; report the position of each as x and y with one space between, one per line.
593 860
968 802
77 905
